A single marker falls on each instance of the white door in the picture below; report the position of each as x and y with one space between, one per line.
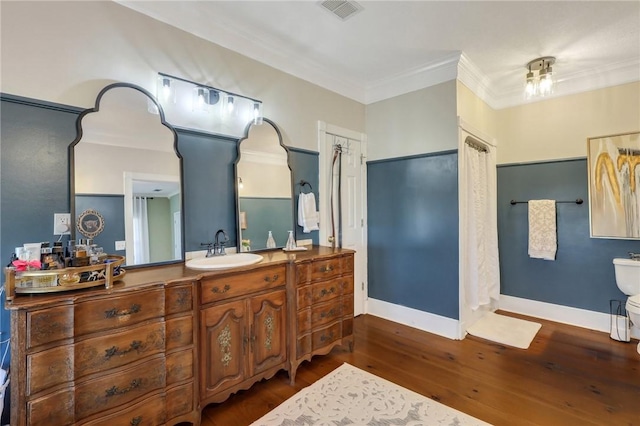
352 233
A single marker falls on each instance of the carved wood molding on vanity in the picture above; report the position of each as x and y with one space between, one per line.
166 341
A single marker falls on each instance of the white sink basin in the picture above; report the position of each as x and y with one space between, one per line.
224 262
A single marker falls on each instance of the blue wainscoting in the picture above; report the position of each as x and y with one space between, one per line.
582 276
413 232
266 213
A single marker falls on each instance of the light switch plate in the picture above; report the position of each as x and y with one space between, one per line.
61 224
121 245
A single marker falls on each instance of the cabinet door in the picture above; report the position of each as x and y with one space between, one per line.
224 340
268 337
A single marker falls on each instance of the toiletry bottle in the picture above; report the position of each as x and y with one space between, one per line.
291 242
271 243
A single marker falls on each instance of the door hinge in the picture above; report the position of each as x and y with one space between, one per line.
362 157
362 285
362 223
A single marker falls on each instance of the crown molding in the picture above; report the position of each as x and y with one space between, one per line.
433 73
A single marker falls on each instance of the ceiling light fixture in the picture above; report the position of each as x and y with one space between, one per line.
539 79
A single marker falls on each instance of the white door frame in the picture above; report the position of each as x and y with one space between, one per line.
324 197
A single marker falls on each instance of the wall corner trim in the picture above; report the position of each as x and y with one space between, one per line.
425 321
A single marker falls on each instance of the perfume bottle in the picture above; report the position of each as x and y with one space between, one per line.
271 243
291 242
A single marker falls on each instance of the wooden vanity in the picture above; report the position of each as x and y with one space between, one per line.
166 341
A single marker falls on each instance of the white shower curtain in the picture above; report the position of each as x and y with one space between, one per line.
481 263
140 231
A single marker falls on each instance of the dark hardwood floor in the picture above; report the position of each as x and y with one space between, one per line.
568 376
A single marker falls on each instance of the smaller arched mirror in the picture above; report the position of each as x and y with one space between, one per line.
126 178
264 189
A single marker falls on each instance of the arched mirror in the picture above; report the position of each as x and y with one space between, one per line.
264 189
126 190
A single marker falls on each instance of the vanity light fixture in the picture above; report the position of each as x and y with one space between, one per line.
200 98
240 184
257 113
539 78
230 104
165 90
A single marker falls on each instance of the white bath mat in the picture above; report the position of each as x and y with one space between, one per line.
506 330
350 396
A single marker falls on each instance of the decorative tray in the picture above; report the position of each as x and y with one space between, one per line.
67 279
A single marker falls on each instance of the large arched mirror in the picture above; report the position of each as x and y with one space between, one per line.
264 188
126 190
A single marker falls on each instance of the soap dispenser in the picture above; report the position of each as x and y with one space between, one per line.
271 243
291 242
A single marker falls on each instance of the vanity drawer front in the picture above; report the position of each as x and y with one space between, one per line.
150 412
179 366
179 332
347 305
346 284
49 368
49 325
304 321
325 269
117 349
110 391
303 346
325 336
180 401
227 286
325 313
118 311
319 292
179 299
54 409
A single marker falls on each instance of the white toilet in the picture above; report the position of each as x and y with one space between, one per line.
628 281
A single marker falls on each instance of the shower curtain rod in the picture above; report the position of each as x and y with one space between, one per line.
576 201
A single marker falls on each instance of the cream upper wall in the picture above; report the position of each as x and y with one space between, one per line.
558 128
476 112
65 52
419 122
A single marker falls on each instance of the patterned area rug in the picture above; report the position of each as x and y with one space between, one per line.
350 396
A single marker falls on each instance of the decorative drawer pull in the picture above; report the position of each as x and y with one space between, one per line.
329 338
272 279
114 391
225 289
136 421
113 313
113 350
326 292
326 269
332 313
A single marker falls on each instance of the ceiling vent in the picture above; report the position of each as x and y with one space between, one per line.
341 9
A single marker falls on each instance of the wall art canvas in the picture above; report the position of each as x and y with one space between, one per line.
614 186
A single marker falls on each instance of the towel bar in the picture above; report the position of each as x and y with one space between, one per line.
576 201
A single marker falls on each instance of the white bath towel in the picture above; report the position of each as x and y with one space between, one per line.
308 216
542 229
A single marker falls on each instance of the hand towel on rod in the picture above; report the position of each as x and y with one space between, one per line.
308 216
542 229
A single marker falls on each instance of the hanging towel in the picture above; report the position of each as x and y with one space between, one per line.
308 217
542 229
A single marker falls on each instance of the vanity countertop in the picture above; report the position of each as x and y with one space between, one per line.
166 274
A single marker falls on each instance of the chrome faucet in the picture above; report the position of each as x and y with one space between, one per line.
634 256
218 246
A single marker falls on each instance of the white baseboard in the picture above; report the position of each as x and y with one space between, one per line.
425 321
564 314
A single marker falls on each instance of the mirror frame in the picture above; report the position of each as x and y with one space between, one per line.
237 192
79 134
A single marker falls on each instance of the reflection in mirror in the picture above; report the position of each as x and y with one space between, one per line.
125 166
264 188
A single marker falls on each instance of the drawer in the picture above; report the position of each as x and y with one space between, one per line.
180 401
304 321
347 327
49 368
118 311
179 299
179 332
223 287
150 412
346 284
303 346
53 409
179 366
120 348
319 292
318 270
49 325
325 313
326 336
107 392
347 305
